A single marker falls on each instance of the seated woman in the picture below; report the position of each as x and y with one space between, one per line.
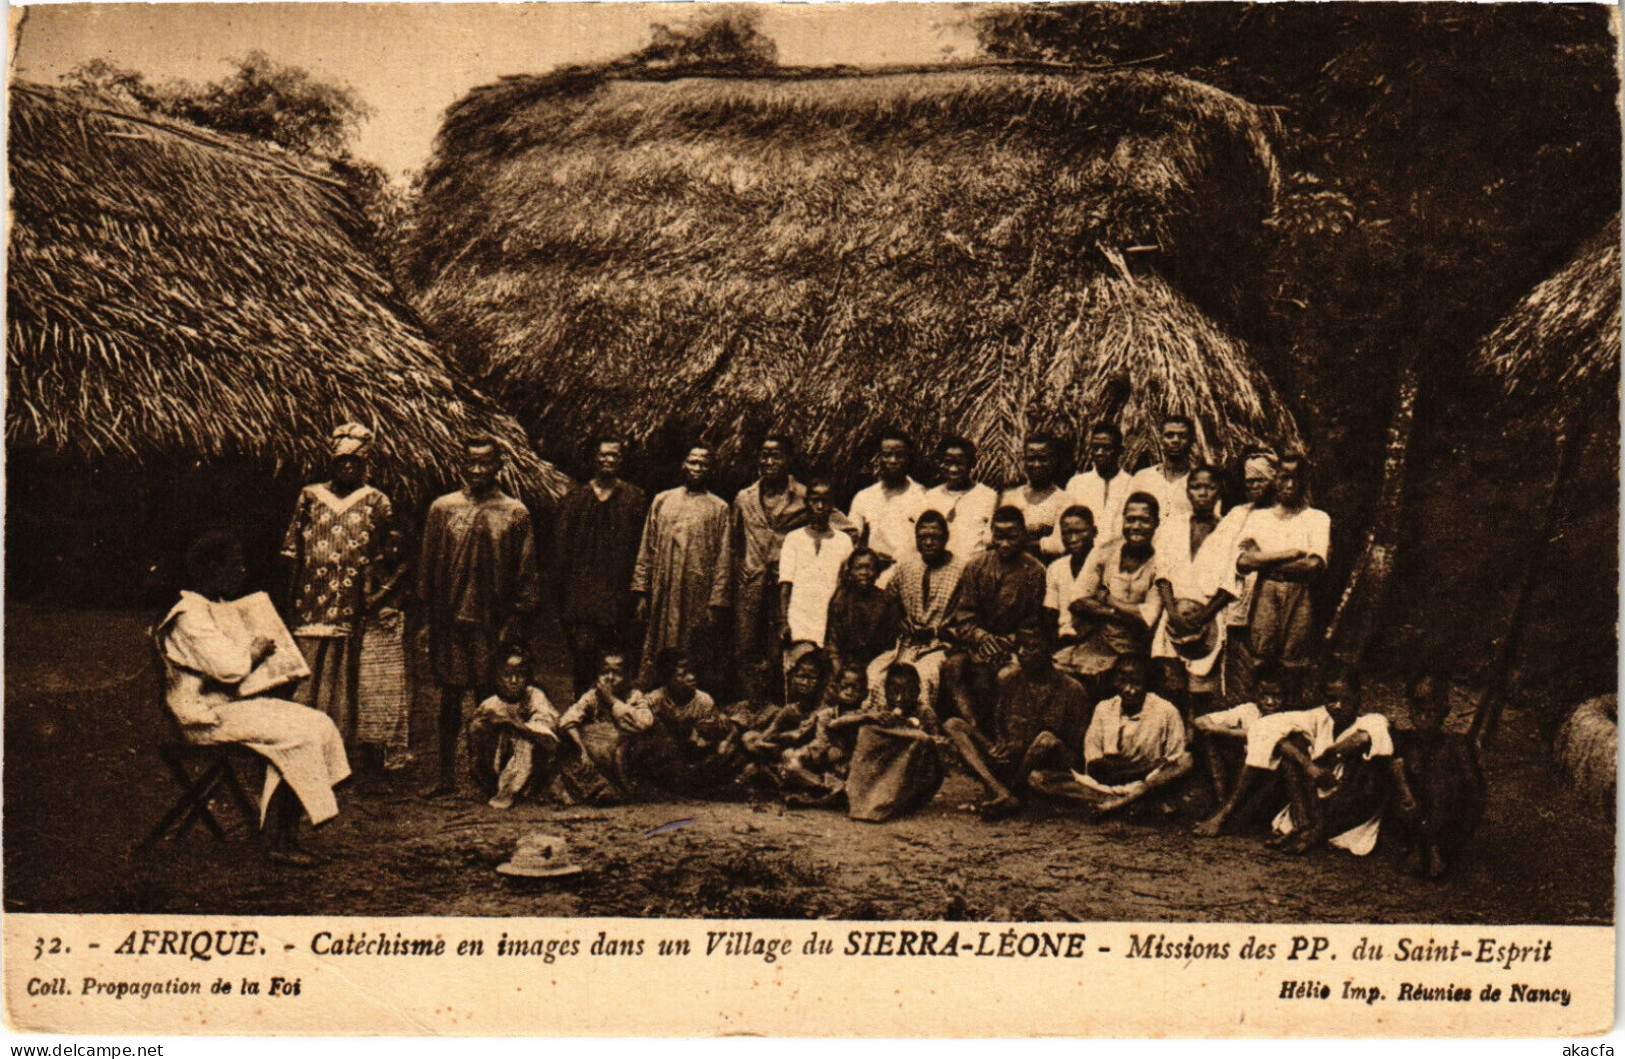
208 651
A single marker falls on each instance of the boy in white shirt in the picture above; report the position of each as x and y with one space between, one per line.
810 569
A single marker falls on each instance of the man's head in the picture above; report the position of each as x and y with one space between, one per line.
773 458
697 467
1032 647
1130 674
1105 448
1292 484
851 686
1341 689
1178 434
820 502
482 462
1077 530
902 687
956 458
931 534
513 672
214 566
1269 687
609 454
1203 487
1141 516
1009 532
863 568
1039 459
1259 471
896 450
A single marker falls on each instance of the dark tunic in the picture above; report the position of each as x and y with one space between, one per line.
996 598
478 570
862 625
596 548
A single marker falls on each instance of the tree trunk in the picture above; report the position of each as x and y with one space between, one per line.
1355 618
1571 436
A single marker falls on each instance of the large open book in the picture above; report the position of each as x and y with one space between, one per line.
285 663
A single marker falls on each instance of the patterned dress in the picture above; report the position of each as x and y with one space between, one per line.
332 540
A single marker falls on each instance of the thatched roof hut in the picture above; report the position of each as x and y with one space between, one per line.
175 295
1561 342
979 250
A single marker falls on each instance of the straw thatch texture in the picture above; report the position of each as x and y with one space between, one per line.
1561 343
174 294
827 252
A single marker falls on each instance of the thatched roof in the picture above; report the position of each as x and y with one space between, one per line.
175 294
828 252
1561 342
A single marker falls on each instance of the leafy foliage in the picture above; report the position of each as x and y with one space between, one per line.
261 99
726 38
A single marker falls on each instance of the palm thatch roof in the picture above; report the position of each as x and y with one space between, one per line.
175 294
979 250
1561 342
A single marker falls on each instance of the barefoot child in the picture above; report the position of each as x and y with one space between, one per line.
598 724
1347 781
679 750
513 735
1221 736
1443 781
817 752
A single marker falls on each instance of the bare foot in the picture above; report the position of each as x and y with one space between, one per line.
293 858
1303 843
1000 808
439 789
1436 866
1210 827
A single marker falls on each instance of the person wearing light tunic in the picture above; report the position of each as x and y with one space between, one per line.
207 651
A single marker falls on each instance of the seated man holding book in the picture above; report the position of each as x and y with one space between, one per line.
220 654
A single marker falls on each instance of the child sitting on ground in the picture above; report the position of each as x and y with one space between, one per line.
1346 782
822 744
763 742
1221 735
598 725
513 735
680 750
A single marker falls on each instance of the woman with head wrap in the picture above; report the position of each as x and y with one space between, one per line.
338 531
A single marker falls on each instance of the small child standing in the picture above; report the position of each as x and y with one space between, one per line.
513 734
383 693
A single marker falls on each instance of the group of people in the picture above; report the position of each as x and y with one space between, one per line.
1088 642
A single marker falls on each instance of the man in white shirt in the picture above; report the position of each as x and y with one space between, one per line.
1105 485
967 504
1287 545
1166 480
810 569
884 513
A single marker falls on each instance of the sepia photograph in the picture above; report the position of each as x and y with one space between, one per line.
951 463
